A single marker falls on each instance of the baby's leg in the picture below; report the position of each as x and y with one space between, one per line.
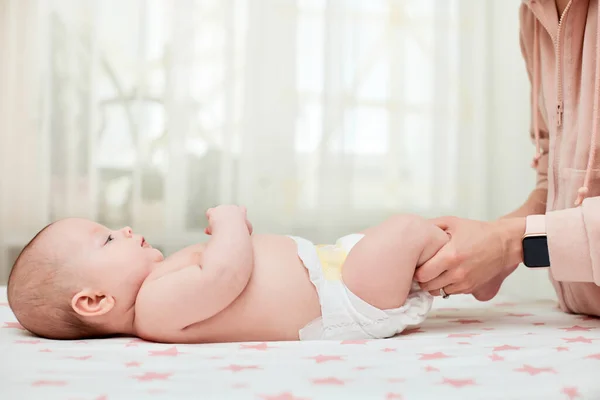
380 268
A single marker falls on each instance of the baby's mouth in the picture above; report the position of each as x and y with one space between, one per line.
144 244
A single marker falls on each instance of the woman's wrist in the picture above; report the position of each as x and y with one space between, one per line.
511 231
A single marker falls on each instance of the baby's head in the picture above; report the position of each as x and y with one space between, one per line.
79 279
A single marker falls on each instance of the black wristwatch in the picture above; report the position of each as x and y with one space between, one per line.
535 242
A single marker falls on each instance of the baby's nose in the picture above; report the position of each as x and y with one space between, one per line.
127 232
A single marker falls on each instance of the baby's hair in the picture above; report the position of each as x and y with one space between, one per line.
40 292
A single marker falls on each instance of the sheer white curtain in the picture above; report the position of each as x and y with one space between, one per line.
321 116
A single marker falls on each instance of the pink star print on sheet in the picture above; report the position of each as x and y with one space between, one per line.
170 352
432 356
393 396
238 368
132 364
152 376
283 396
519 315
506 347
260 346
462 335
14 325
354 342
577 328
571 392
80 358
458 383
319 359
328 381
578 339
534 371
467 321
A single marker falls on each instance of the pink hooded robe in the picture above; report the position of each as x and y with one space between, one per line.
563 63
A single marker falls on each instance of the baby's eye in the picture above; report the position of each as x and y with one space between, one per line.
110 237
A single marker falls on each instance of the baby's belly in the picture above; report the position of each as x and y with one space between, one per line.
278 301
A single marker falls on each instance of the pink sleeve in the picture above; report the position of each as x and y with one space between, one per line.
527 20
574 242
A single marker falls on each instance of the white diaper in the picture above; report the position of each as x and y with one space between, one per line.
345 316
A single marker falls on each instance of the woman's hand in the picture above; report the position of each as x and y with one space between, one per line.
476 253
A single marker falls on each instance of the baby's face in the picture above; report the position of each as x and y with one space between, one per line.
114 262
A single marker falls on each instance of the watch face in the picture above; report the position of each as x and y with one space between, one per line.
535 252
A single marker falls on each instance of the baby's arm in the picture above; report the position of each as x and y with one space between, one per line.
380 268
193 294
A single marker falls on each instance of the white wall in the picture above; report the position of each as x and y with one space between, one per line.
510 149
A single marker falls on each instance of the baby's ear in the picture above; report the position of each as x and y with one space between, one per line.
90 303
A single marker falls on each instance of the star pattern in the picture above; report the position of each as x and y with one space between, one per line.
328 381
393 396
261 346
14 325
458 383
571 392
238 368
354 342
152 376
283 396
462 335
432 356
467 321
506 347
134 342
578 339
319 359
577 328
170 352
132 364
588 318
533 371
80 358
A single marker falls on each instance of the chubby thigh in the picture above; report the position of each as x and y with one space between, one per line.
380 267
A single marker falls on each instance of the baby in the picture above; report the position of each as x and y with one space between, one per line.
78 279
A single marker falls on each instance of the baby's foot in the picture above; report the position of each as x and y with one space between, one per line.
490 289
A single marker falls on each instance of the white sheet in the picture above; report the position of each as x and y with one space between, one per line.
470 351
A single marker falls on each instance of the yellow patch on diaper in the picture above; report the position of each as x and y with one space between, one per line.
332 260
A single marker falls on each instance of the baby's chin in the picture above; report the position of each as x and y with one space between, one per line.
157 256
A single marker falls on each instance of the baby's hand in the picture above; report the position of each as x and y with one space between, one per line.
224 213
